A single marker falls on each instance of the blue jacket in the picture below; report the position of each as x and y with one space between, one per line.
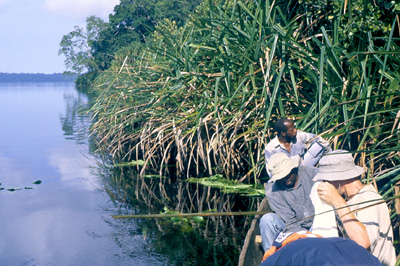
322 251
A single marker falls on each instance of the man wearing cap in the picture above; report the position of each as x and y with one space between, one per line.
289 198
369 227
294 142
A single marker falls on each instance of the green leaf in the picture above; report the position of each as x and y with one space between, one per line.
131 163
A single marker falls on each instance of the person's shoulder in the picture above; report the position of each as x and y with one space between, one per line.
301 132
271 148
276 190
273 143
369 191
304 136
309 171
274 187
274 196
366 195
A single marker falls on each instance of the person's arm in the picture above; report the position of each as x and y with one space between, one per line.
271 148
307 137
269 151
355 230
268 155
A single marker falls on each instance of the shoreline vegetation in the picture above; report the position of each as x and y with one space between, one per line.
199 99
36 77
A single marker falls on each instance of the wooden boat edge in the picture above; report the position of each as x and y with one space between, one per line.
251 253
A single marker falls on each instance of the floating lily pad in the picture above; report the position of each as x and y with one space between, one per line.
13 189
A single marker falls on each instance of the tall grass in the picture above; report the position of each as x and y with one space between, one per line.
201 100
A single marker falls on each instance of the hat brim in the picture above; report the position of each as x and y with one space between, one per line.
292 163
338 175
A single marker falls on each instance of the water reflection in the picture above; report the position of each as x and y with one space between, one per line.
215 241
66 220
75 121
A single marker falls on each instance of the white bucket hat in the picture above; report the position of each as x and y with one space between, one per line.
336 166
280 165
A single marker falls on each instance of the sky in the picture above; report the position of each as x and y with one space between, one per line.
31 31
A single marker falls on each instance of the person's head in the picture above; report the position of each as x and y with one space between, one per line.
285 128
283 169
338 168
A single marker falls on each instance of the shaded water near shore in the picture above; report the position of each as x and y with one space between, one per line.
56 208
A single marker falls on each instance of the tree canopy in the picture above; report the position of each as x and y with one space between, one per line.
94 48
77 46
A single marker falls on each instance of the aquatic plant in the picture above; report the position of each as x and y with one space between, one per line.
37 182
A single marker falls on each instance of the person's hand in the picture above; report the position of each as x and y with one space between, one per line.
329 194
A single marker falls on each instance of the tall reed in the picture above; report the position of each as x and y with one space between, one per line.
200 100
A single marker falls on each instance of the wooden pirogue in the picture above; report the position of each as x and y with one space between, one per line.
252 254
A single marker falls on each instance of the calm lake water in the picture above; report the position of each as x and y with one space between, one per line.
53 206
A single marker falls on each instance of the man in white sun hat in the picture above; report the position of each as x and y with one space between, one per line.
369 227
289 198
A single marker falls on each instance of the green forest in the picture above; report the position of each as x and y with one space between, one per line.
191 89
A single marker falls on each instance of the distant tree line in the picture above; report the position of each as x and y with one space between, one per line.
25 77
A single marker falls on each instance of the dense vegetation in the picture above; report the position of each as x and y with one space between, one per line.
199 98
203 97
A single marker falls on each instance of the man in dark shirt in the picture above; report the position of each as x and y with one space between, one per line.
289 198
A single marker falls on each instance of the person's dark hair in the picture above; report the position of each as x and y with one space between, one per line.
280 126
